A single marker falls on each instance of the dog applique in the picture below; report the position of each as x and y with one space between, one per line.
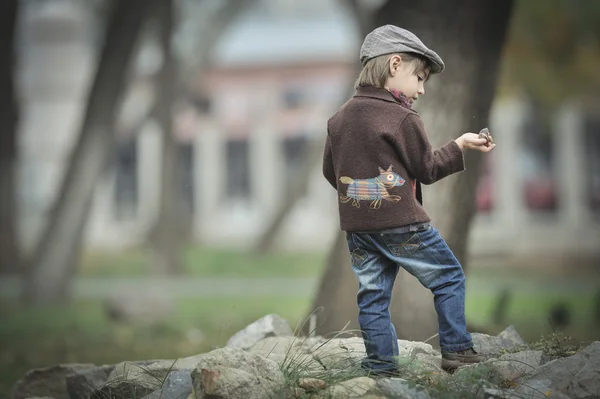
374 189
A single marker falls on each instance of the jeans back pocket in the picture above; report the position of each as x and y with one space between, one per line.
358 256
401 246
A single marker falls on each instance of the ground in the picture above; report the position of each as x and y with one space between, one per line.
226 291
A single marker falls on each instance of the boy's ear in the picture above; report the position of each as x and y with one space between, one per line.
395 62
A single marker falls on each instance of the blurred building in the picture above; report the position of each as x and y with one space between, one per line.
276 75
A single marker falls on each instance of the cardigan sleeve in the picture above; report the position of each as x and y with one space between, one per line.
424 163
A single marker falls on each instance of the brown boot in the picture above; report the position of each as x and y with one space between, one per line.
453 360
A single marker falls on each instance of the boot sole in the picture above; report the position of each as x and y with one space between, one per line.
448 364
451 365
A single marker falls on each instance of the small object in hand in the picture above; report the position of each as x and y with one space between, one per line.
485 134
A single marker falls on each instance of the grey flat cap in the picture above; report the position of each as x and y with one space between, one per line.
390 39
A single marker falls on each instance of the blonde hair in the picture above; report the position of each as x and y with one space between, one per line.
376 70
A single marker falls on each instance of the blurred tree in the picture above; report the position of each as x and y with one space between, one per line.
53 261
167 235
9 248
171 229
469 36
553 51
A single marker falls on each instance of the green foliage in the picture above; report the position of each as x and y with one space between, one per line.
553 50
557 345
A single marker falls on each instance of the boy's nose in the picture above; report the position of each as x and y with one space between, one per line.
421 90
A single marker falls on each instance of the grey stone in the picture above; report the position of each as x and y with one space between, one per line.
311 384
189 362
511 334
533 389
129 379
399 388
178 385
508 339
515 365
412 348
234 373
268 326
494 393
577 376
428 363
340 353
353 388
277 345
47 381
82 384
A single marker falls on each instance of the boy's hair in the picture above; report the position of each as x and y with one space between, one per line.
376 70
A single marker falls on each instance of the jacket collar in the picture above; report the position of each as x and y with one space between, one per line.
378 93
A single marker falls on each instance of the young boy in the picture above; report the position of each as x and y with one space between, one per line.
376 155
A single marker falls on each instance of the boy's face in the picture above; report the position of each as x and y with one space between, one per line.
404 78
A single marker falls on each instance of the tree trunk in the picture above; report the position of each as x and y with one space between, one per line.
469 36
167 235
172 226
53 262
9 247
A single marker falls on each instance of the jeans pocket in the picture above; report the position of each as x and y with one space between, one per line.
358 256
400 246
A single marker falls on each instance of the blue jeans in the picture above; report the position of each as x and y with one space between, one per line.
376 257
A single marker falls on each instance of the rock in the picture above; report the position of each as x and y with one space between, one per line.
354 388
290 353
178 385
494 393
269 326
508 339
340 353
399 388
129 379
277 345
412 348
138 308
508 368
311 384
576 376
312 343
82 384
425 363
303 365
47 381
234 373
534 389
511 366
189 362
511 334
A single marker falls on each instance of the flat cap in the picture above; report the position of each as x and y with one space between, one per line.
390 39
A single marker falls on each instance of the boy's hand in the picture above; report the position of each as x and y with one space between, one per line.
472 141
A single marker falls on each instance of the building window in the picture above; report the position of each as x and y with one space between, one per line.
295 154
185 164
126 180
238 169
